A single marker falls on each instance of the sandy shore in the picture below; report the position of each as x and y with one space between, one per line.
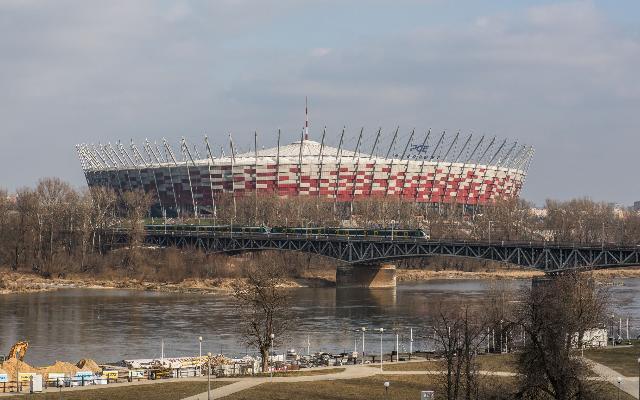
24 282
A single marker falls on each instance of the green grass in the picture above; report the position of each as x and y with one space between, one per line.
401 387
488 362
156 391
621 359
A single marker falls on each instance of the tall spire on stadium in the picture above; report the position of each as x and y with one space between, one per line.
306 119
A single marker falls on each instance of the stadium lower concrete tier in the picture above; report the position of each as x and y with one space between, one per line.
307 169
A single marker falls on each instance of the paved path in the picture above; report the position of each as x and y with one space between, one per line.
629 385
350 372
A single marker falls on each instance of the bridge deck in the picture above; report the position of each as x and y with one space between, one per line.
545 256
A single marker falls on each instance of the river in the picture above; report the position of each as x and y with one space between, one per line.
111 325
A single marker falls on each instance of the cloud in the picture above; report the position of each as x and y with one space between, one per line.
561 77
320 51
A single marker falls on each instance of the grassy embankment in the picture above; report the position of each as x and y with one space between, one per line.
623 359
157 391
489 362
400 387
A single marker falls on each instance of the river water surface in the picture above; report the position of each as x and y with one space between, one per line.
111 325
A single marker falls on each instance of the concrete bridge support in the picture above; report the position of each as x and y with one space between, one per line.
366 275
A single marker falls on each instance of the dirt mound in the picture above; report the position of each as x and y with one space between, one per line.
12 365
60 367
87 364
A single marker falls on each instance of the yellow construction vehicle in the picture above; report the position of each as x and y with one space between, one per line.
18 351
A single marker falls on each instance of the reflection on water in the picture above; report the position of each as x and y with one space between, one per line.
110 325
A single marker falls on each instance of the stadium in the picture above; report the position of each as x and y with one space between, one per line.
425 168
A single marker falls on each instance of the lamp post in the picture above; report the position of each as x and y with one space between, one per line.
209 376
272 336
619 386
410 342
386 389
639 377
363 329
200 352
381 330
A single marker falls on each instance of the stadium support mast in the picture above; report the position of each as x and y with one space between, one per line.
355 170
321 159
209 163
455 161
373 168
151 155
489 186
484 173
435 173
422 148
187 154
386 157
278 165
406 167
233 180
124 165
338 159
113 164
469 159
168 152
299 177
255 175
133 164
306 119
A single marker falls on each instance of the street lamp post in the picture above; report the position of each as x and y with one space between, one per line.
386 389
209 376
381 330
397 347
410 343
272 336
200 354
363 331
619 386
639 377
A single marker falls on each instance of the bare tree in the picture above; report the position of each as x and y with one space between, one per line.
136 206
555 313
264 305
103 210
459 332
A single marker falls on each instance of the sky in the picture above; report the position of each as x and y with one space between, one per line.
561 76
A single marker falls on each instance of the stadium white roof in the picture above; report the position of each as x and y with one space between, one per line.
310 148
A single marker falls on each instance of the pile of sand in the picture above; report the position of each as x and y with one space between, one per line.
60 367
12 365
87 364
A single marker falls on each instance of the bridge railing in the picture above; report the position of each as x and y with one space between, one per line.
374 238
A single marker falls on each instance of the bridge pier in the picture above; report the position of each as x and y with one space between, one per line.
368 275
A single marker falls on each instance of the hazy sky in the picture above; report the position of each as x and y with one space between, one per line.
560 76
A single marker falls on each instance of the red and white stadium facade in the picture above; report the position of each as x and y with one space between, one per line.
478 173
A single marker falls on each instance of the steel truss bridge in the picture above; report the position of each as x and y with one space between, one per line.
545 256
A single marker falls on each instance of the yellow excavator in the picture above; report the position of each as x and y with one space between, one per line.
18 351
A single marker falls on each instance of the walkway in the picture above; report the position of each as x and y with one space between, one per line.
350 372
629 385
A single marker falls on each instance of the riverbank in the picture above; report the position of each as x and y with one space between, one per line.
28 282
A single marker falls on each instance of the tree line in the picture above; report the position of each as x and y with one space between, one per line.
53 228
